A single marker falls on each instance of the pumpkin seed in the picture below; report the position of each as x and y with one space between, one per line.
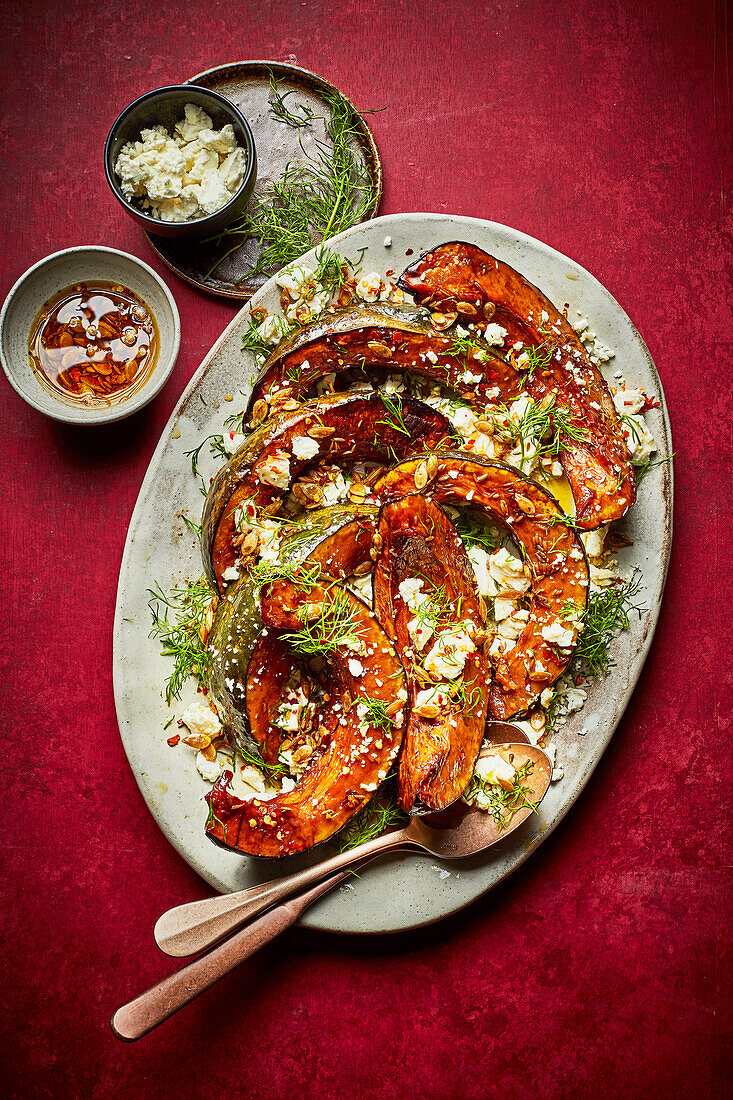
382 351
421 475
259 412
489 310
443 320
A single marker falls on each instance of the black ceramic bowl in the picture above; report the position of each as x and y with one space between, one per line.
165 107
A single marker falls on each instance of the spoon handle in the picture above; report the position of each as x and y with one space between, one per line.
193 927
157 1004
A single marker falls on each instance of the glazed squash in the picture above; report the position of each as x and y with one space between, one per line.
342 428
356 748
552 552
250 666
379 338
463 279
441 741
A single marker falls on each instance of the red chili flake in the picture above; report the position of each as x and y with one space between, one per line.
174 739
408 251
578 681
389 271
650 403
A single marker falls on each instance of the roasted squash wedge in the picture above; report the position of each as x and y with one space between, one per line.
343 427
250 666
420 547
356 750
380 338
552 552
463 279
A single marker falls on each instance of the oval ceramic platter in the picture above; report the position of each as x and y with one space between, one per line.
403 891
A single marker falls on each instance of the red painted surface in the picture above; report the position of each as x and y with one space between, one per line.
603 967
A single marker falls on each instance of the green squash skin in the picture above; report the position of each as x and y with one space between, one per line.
238 626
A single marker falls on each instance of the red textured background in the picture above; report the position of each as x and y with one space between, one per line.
602 968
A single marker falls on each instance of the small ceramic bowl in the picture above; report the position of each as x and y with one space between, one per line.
45 279
165 107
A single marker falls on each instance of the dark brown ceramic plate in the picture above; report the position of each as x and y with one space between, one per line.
247 85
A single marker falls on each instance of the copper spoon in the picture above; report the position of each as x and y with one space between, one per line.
471 833
456 833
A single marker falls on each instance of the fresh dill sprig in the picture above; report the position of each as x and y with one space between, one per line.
504 804
302 116
377 714
192 526
331 629
394 417
475 530
642 468
538 357
216 443
327 193
253 342
253 759
466 347
382 813
607 614
546 427
178 621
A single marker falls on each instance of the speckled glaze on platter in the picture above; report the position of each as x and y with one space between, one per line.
404 891
247 85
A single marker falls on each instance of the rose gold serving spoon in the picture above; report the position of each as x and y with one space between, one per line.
197 925
454 834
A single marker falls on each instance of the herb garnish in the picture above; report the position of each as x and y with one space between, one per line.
331 191
181 636
607 614
504 804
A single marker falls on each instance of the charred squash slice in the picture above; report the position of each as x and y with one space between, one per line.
344 428
552 552
463 279
443 738
381 338
355 752
250 665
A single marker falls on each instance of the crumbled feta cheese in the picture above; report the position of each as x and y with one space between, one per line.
508 573
495 770
201 718
450 652
557 634
188 174
368 287
231 573
232 442
334 490
305 447
479 559
356 668
273 328
275 470
210 770
495 335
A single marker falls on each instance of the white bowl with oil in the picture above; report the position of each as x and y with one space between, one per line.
84 264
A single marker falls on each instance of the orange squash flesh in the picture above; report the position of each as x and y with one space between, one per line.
361 429
439 754
383 339
461 277
551 550
354 755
